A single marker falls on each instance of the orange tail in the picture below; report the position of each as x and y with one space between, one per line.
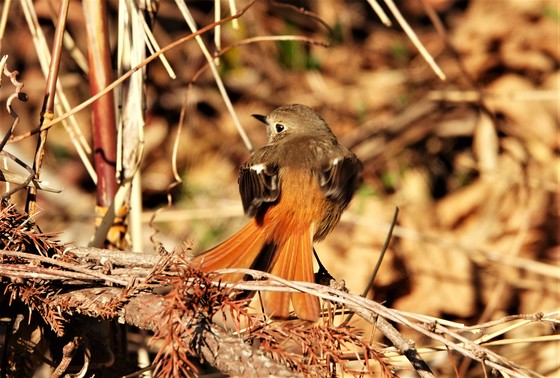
294 263
239 251
291 259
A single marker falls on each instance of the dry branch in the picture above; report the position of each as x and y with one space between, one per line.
136 303
57 282
227 352
144 310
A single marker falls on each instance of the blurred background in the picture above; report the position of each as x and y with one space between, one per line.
472 162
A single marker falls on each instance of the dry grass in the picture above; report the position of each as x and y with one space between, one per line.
472 162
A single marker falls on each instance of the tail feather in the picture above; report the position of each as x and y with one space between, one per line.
306 306
291 259
276 303
294 263
239 251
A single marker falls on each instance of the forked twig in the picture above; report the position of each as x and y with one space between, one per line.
20 181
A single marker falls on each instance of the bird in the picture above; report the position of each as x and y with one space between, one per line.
294 189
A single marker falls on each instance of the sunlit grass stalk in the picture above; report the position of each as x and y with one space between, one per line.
47 111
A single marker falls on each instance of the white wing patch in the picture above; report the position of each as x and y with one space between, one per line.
258 168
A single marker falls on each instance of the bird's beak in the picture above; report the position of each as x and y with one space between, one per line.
260 117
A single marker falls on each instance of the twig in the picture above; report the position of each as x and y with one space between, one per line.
539 316
62 104
24 271
210 60
414 38
19 181
405 347
68 352
305 12
65 265
47 112
3 21
18 94
440 28
269 38
103 113
126 259
456 246
379 260
380 12
382 254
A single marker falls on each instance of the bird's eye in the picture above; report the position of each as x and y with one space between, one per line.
279 127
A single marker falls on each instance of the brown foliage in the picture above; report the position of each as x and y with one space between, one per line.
472 162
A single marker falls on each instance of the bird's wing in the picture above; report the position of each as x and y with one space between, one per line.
258 185
339 179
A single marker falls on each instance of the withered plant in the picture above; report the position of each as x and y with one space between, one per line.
469 286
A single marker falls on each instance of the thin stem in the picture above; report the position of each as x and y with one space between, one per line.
47 112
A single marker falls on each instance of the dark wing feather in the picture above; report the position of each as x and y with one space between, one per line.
340 178
258 185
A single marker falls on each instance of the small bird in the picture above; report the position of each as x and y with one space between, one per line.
294 189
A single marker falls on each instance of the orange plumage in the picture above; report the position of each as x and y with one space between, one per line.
295 188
